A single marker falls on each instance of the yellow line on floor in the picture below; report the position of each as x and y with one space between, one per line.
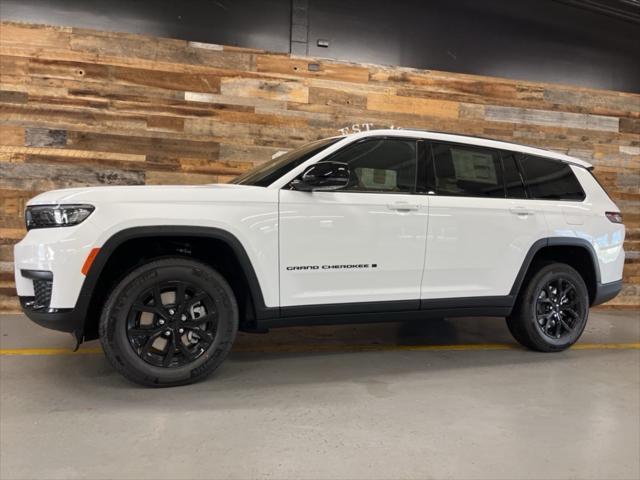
606 346
329 348
49 351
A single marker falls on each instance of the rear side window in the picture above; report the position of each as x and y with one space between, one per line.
550 179
467 171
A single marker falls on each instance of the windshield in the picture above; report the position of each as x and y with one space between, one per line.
267 173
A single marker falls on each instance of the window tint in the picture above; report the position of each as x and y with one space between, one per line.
467 171
380 165
512 179
550 179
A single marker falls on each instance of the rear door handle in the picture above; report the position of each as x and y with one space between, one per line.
403 206
521 211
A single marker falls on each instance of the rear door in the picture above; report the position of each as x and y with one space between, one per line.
477 237
364 243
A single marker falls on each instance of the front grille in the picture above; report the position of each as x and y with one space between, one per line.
42 292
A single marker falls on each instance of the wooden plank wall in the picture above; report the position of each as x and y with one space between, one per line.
82 107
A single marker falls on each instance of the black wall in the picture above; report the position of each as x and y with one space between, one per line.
541 40
248 23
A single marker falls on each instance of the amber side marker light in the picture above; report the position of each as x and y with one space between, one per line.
89 261
614 217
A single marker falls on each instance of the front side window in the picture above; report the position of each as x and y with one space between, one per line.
384 165
467 171
547 179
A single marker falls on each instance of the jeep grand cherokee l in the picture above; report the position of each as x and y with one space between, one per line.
381 225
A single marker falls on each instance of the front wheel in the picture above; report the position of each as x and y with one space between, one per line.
169 322
552 311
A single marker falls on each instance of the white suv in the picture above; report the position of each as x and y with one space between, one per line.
382 225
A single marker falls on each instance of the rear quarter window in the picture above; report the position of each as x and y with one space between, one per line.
547 179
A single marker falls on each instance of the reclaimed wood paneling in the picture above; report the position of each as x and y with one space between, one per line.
543 117
82 107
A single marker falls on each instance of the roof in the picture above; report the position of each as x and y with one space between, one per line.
470 140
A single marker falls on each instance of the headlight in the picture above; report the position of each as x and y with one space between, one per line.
47 216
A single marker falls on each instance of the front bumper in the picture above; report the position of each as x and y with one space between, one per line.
48 274
59 251
38 309
63 320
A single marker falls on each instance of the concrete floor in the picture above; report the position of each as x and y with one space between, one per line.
366 402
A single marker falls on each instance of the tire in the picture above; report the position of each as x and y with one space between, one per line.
546 321
169 322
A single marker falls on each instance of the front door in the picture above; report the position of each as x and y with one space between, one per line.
363 243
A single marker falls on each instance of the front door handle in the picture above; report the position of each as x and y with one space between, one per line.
521 211
403 206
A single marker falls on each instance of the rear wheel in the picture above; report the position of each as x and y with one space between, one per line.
169 322
552 310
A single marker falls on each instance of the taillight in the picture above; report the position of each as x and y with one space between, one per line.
614 217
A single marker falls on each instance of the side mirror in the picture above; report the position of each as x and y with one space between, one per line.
323 177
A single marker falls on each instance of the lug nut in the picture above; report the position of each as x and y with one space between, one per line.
172 311
167 333
181 330
161 322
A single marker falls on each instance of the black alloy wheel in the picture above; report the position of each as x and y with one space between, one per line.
557 308
169 322
551 310
172 324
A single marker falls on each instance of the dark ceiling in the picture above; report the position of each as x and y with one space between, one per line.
628 10
592 43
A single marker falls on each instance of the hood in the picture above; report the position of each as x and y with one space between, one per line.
145 194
